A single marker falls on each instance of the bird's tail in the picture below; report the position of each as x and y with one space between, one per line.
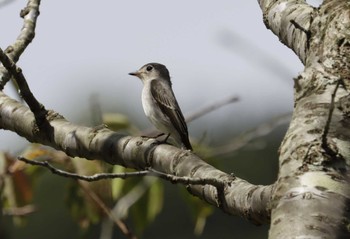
186 143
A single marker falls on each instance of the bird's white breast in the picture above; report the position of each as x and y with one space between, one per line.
152 110
148 103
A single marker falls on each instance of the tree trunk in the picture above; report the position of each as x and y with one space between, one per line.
311 197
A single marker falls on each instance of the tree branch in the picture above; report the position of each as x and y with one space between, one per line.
121 208
283 17
91 178
30 14
238 197
148 172
122 226
246 137
209 108
19 211
187 180
34 105
202 111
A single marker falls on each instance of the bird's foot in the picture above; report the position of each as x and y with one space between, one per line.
161 141
153 137
165 140
99 127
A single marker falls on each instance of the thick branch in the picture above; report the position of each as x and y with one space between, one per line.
290 20
30 14
236 197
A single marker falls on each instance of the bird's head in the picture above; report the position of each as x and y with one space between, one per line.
152 71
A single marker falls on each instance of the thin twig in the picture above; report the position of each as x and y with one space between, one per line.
19 211
243 47
122 226
149 172
243 139
209 108
30 14
91 178
199 113
38 109
218 184
121 208
189 181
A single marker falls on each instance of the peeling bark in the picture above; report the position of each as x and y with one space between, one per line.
311 197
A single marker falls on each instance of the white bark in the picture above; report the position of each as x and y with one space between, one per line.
236 197
312 192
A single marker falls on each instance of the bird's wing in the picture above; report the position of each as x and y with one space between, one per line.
166 101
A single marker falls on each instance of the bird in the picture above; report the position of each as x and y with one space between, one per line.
160 105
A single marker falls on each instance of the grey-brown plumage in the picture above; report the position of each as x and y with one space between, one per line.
160 104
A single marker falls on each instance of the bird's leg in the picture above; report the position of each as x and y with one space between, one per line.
152 137
161 134
166 138
163 141
99 127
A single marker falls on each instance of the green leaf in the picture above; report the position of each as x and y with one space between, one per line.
155 200
116 121
199 209
149 206
118 183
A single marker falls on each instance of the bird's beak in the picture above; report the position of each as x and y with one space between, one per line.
136 73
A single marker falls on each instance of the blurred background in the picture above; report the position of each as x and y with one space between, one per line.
82 54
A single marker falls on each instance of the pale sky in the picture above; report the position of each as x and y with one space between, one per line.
213 49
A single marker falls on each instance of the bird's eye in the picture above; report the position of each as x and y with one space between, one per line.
149 68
